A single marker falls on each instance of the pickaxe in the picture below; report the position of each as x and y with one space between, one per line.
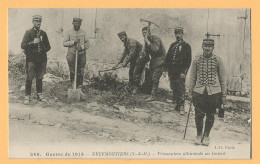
148 30
149 22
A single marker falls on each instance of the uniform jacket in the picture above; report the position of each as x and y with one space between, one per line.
72 35
156 50
178 58
35 52
131 51
208 73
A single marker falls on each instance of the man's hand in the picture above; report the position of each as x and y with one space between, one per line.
114 67
183 76
79 48
36 40
76 41
146 40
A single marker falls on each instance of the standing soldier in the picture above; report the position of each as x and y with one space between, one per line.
76 39
208 84
177 62
153 49
35 45
130 55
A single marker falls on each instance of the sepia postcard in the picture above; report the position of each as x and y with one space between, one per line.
129 83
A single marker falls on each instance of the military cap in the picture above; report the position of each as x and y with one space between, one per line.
37 18
75 19
144 28
208 42
122 33
178 29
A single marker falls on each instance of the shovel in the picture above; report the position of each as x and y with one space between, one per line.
74 94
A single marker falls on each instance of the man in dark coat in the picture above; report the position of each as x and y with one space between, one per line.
155 53
208 84
35 45
130 55
177 63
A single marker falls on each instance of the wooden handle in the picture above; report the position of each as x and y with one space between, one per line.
76 69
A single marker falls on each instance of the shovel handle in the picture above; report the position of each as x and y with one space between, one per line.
76 70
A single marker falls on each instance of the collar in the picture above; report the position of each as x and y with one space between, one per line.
207 57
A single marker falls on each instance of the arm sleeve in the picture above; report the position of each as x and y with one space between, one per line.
222 77
193 75
155 45
132 53
123 56
46 43
67 42
186 60
26 42
166 61
86 42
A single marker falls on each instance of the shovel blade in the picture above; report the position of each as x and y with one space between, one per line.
74 95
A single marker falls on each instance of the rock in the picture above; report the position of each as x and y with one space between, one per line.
249 121
10 91
55 99
243 93
169 101
122 109
139 110
237 93
59 125
93 104
51 78
22 88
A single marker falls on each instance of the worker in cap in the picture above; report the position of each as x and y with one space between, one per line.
154 52
76 39
122 33
208 87
75 19
132 49
35 44
177 63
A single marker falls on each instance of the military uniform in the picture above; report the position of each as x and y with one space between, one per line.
130 55
69 41
155 53
36 57
177 62
208 84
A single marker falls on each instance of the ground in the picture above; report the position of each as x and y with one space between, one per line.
103 122
108 119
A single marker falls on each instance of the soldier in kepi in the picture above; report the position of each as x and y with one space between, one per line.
76 39
208 84
130 55
177 63
35 45
155 52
